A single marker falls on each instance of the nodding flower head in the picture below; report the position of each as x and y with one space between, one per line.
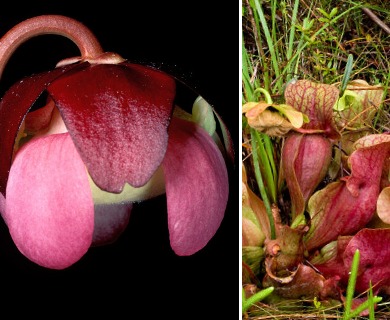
108 135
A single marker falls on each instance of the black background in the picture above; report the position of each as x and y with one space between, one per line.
139 274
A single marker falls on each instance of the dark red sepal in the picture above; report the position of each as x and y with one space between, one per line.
118 117
15 104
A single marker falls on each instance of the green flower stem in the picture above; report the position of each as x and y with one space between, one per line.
260 182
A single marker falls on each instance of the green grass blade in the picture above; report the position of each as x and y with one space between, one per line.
271 47
265 159
292 31
347 74
363 306
258 296
260 182
326 25
371 303
246 75
351 285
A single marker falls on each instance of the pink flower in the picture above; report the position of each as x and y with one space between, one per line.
106 138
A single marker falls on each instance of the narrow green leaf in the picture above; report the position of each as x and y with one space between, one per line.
347 74
261 295
333 12
323 12
260 183
351 285
363 306
271 47
265 160
371 304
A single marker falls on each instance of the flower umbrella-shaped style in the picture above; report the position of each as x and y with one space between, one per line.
107 137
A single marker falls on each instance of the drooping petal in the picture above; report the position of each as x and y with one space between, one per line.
110 222
197 187
13 107
117 116
273 119
2 203
49 208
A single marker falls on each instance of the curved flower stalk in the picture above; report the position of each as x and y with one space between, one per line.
107 137
306 154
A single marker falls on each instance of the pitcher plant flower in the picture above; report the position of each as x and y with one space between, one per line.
107 136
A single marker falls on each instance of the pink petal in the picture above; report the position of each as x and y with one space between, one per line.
119 113
110 222
196 187
2 203
49 207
